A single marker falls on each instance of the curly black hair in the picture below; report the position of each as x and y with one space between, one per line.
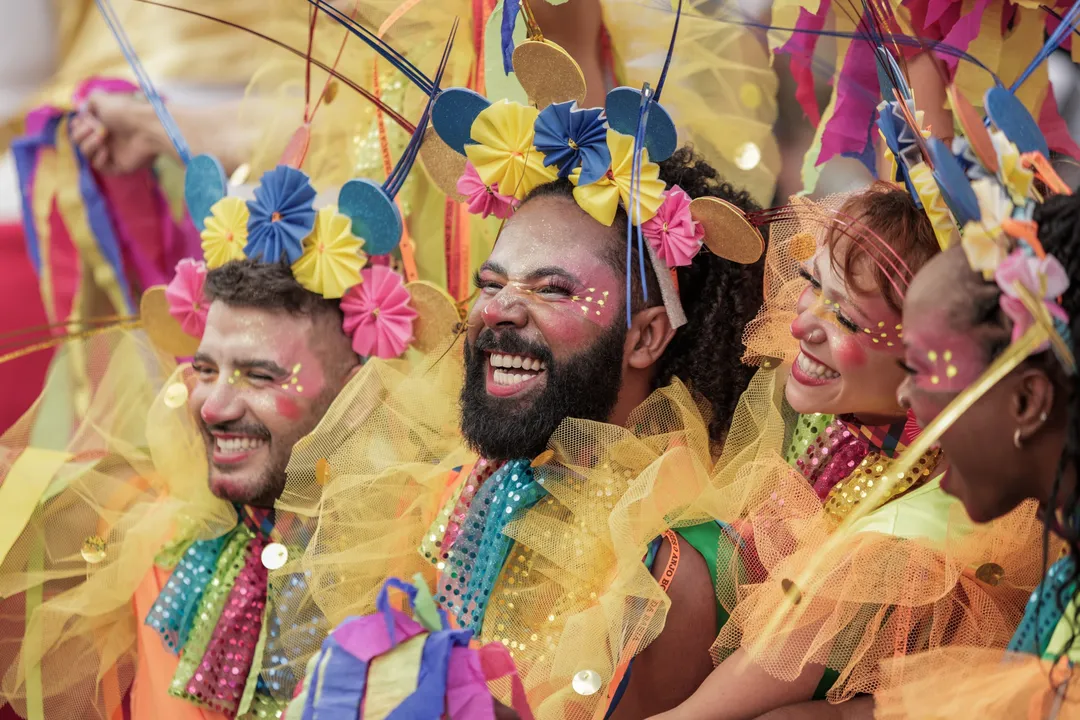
1059 232
718 296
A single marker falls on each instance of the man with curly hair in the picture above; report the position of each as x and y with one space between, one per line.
561 377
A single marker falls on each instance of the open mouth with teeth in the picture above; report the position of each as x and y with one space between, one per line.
809 371
231 450
509 375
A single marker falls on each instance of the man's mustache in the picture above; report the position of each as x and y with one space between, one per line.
511 343
238 428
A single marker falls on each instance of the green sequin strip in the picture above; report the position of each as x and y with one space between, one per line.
230 563
807 428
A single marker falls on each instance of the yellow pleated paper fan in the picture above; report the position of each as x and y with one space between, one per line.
505 155
332 257
225 235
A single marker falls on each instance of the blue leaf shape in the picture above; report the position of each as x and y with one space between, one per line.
570 137
282 215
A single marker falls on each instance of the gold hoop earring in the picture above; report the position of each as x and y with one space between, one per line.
1016 440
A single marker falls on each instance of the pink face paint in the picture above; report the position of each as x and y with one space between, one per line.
850 352
287 407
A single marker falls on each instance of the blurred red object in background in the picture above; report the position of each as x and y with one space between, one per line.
20 307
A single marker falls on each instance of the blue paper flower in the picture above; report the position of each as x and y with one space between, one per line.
281 215
569 137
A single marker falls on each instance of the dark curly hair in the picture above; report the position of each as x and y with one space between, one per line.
719 296
266 286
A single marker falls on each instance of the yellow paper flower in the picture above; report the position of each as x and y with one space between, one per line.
601 198
984 249
225 234
505 155
984 241
1016 178
332 257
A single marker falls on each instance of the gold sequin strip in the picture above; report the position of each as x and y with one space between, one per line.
874 470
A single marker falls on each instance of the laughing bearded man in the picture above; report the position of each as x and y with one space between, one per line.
574 451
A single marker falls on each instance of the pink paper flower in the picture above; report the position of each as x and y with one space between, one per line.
185 295
673 232
484 200
377 314
1045 278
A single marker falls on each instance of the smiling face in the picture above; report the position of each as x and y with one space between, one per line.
264 380
848 343
546 334
944 355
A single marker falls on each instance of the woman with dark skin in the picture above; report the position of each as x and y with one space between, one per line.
1019 441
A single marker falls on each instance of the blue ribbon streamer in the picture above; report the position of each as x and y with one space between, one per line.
1067 25
97 214
163 114
509 19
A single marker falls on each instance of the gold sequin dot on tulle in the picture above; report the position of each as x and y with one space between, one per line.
176 395
586 682
93 549
990 573
873 470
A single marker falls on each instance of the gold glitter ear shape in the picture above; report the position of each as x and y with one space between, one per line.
437 315
164 330
728 232
548 74
443 164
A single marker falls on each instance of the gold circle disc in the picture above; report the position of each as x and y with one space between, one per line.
548 73
443 164
728 233
436 316
164 330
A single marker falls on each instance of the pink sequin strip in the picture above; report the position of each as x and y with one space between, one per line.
223 672
831 457
480 472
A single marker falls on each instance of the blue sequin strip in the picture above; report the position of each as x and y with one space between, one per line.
481 549
1045 610
174 610
285 644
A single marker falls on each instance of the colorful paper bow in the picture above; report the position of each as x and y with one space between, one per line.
601 199
378 315
185 296
983 240
281 215
226 233
484 200
571 138
503 153
1044 278
673 233
332 256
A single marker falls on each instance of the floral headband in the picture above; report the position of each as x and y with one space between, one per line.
340 252
980 193
504 150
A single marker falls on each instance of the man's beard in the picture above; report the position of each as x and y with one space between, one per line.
585 386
